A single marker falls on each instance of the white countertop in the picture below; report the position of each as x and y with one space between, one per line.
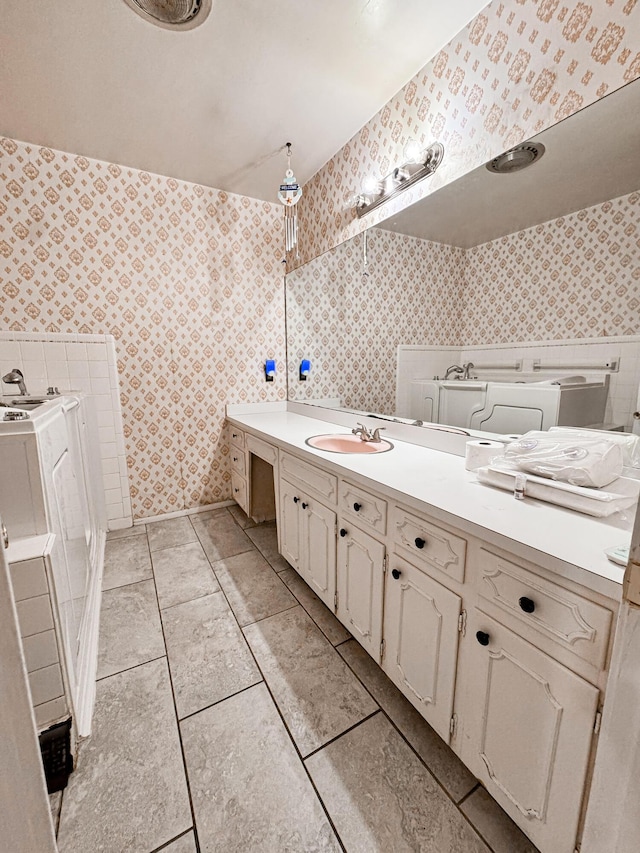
569 543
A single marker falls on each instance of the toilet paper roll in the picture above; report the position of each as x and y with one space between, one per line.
479 452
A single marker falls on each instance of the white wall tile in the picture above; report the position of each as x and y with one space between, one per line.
34 615
28 579
40 650
46 684
50 712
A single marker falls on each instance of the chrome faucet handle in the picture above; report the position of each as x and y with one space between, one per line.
376 434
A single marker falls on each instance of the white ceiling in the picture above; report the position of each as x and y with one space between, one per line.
217 103
590 157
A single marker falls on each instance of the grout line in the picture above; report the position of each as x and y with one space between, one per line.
219 701
129 583
175 711
129 668
170 547
284 723
318 749
468 794
176 838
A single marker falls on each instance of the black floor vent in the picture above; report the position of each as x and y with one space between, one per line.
55 746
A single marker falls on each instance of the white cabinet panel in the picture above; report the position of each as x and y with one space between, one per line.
308 540
289 523
421 641
528 726
319 547
360 575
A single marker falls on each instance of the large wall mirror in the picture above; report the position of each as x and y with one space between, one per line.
501 302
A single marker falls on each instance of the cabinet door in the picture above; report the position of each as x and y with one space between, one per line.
527 731
360 574
421 641
289 523
318 549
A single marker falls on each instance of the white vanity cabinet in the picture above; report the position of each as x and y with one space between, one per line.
505 659
360 573
527 729
422 620
307 525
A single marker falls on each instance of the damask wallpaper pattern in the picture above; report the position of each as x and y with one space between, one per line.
570 278
188 280
519 67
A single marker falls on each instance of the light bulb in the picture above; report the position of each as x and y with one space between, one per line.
371 185
413 151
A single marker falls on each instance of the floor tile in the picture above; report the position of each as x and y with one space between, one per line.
125 532
184 844
130 629
241 518
318 695
220 536
333 630
278 563
253 589
265 538
439 758
169 533
496 827
380 797
126 561
129 790
182 573
208 656
248 786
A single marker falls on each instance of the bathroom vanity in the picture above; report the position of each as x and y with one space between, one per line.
494 617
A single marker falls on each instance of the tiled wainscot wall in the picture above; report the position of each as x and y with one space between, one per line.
84 363
187 280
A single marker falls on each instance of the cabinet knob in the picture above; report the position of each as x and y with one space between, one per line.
304 505
483 638
396 573
420 543
295 500
343 532
236 491
527 604
234 435
357 507
235 458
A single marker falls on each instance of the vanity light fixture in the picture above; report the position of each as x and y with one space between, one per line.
421 162
270 369
305 369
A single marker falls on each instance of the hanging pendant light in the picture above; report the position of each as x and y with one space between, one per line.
290 194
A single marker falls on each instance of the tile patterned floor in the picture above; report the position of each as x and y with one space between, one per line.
235 713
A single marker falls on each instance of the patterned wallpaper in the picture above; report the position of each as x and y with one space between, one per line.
520 66
188 280
349 320
574 277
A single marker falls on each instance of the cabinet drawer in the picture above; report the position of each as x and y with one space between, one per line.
236 436
370 511
428 544
238 461
239 490
262 449
321 482
571 621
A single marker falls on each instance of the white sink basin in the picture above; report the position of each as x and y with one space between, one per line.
348 443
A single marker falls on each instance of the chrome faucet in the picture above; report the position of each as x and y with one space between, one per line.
455 368
366 434
467 367
16 377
